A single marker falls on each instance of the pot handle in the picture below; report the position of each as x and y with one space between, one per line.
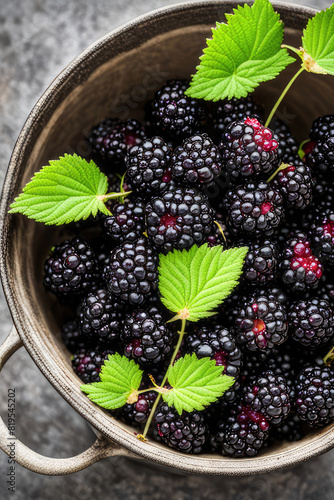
28 458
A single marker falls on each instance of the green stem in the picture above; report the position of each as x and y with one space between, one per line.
294 49
108 196
328 359
282 166
273 111
156 402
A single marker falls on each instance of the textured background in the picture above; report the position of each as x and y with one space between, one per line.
38 38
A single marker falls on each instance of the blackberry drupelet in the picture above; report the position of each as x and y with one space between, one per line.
146 338
148 167
312 322
315 396
137 413
132 274
228 111
186 433
291 429
248 149
173 114
87 364
101 317
322 235
217 344
72 336
261 262
261 323
300 269
269 395
178 219
71 269
197 161
287 144
295 185
255 209
112 138
127 222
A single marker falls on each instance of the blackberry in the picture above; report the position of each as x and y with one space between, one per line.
148 167
179 219
228 111
137 413
322 235
282 363
299 268
321 127
72 336
269 395
217 344
173 113
127 222
186 433
71 269
248 149
291 429
312 322
295 184
255 209
287 144
146 337
131 274
315 396
87 364
261 323
321 154
261 262
101 317
197 162
102 248
112 138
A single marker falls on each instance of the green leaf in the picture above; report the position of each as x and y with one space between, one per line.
318 43
120 379
193 283
195 383
241 54
66 190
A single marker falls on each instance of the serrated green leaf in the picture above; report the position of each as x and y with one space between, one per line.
195 383
119 378
66 190
318 42
200 279
241 54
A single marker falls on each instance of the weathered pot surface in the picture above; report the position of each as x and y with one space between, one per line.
115 77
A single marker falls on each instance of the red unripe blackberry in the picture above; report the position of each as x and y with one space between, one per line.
300 269
71 269
225 112
261 262
127 222
312 322
137 413
186 433
178 219
87 364
248 149
295 185
132 274
315 396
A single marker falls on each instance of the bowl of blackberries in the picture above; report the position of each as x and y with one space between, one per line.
177 205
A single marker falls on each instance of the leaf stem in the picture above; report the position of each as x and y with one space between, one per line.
156 402
108 196
329 358
273 111
282 166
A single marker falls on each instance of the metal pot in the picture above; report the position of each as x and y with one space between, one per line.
115 77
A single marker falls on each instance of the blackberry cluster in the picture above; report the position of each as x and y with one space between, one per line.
261 263
87 364
295 184
229 111
312 322
127 223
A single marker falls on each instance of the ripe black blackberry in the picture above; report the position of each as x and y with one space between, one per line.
287 144
291 429
178 219
87 364
112 138
255 209
300 269
322 235
101 317
261 323
321 127
187 433
137 413
174 114
295 183
148 167
127 222
225 112
71 269
197 161
248 149
315 396
217 344
321 154
282 362
73 337
269 395
146 338
131 274
261 262
312 322
102 249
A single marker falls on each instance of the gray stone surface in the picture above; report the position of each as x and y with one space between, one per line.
37 39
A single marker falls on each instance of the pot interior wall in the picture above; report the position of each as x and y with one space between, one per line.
120 88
